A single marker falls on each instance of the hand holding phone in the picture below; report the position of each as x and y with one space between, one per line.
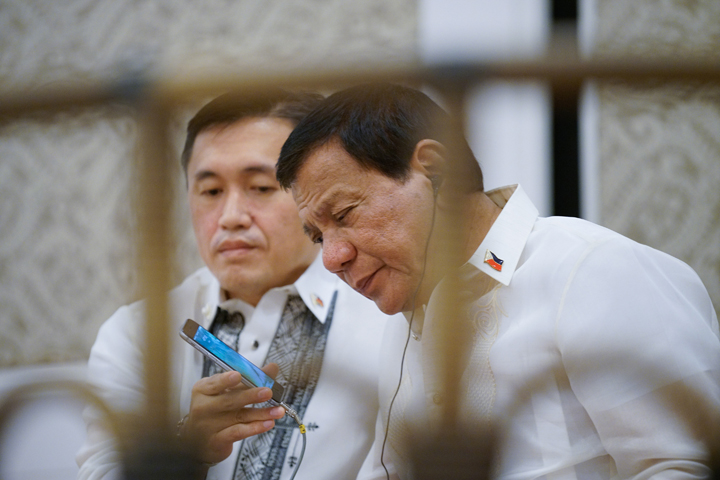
228 359
251 375
220 413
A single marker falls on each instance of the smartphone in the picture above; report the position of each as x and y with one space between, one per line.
228 359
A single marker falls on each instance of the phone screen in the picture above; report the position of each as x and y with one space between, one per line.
249 371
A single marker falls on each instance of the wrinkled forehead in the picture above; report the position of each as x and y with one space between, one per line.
314 192
329 161
328 176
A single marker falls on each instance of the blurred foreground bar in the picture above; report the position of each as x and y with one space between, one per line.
155 453
561 71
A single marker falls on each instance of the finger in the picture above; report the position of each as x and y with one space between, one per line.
218 383
219 446
241 431
240 397
271 369
251 415
206 422
215 412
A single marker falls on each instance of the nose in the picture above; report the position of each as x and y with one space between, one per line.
337 253
235 212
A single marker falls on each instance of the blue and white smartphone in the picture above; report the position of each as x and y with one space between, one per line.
228 359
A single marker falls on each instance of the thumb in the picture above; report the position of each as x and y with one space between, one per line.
271 369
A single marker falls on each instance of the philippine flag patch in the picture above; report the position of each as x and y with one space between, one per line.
492 260
316 300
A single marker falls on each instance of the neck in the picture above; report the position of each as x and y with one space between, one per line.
251 298
479 219
468 224
456 236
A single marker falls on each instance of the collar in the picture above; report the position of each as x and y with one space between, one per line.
316 286
507 237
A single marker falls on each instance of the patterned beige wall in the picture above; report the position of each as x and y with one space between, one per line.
660 143
66 225
66 228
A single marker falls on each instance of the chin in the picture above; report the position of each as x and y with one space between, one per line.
393 297
388 306
238 280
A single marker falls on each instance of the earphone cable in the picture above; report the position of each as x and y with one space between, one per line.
407 341
293 414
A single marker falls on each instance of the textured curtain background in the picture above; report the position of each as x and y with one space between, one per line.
66 223
660 143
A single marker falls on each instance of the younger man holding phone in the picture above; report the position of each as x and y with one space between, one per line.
265 293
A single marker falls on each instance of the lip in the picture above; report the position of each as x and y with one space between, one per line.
363 286
234 246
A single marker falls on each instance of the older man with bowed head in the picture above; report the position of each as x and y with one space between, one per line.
599 356
264 292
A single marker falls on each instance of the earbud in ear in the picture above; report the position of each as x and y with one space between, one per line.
435 180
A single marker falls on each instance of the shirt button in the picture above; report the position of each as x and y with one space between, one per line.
256 345
437 399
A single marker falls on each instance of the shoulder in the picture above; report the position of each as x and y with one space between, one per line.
573 234
199 279
124 327
126 324
621 299
604 284
574 246
602 257
555 249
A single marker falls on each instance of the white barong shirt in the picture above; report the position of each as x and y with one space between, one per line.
340 417
597 356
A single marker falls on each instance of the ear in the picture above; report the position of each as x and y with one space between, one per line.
429 158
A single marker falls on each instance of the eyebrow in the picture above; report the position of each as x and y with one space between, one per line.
203 174
259 168
320 210
329 200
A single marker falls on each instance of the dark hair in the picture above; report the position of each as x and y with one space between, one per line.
234 106
379 125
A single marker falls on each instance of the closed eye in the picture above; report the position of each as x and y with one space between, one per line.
314 234
341 216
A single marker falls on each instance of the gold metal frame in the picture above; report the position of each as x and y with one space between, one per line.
154 101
